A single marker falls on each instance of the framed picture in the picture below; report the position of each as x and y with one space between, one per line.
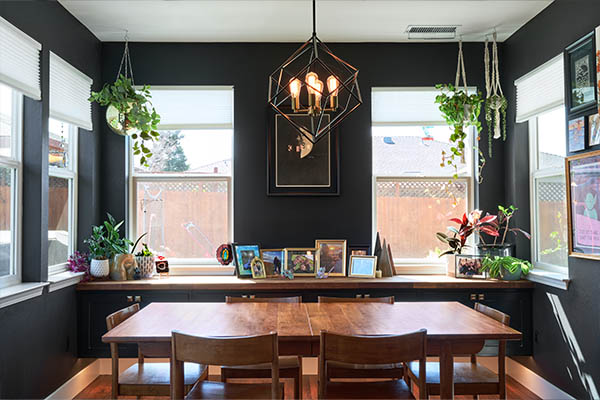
576 131
583 208
258 268
362 266
273 259
301 261
296 166
359 250
332 256
244 254
468 266
597 68
580 70
594 130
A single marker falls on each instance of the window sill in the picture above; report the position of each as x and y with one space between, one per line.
217 269
553 279
64 279
21 292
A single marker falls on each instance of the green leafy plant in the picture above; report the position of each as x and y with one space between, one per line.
145 252
115 242
495 265
505 214
97 244
135 112
460 110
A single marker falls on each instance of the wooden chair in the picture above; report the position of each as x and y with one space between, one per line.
389 349
247 350
145 379
289 366
471 378
340 370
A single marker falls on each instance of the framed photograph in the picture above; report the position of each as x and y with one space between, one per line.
296 166
244 254
332 256
258 269
576 131
468 266
594 130
583 208
362 266
359 250
274 260
301 261
581 74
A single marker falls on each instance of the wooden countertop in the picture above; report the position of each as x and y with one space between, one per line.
233 283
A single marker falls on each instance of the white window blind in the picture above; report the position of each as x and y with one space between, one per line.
193 107
69 93
19 60
541 90
407 106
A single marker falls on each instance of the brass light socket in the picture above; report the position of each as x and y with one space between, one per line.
334 102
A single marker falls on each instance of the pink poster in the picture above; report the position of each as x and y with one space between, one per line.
584 174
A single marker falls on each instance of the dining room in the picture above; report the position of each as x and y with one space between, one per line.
299 199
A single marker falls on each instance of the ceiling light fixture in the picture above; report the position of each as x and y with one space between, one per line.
301 70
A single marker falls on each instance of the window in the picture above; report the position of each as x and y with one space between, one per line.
548 191
62 194
10 185
413 195
183 199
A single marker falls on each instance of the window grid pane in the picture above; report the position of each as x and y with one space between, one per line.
6 120
59 236
59 144
7 237
551 221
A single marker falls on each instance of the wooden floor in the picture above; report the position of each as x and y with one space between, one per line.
100 389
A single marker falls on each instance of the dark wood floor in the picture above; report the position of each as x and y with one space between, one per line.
100 389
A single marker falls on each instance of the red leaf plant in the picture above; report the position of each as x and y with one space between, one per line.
469 224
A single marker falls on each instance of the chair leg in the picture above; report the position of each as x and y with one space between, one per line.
298 384
502 369
224 375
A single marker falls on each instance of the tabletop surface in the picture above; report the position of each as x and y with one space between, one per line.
443 320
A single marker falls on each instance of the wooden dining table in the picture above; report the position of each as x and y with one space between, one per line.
452 328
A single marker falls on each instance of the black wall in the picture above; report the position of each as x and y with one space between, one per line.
38 342
269 220
566 350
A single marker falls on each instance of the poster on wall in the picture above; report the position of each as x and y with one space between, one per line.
583 182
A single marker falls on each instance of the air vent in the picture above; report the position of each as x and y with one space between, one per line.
431 32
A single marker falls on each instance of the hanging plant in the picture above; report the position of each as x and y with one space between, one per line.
495 102
130 111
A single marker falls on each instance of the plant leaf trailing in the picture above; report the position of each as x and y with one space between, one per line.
494 265
136 109
459 110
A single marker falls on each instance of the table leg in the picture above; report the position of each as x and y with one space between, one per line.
446 371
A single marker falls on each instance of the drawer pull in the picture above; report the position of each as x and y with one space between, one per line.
481 296
130 299
473 296
138 299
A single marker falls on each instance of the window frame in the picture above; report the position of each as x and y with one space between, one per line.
536 173
15 163
69 173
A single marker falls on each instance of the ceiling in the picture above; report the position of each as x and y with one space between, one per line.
290 20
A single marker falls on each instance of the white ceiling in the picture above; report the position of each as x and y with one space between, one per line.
291 21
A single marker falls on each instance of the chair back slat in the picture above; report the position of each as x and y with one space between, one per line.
117 317
493 313
386 349
387 300
294 299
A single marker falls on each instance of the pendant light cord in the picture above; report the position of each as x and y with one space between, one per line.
314 17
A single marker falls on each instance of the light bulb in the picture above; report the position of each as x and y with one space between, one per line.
311 80
295 86
318 92
332 85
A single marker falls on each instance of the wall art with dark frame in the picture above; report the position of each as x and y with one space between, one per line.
296 166
580 75
582 173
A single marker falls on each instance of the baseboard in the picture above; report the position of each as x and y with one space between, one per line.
102 366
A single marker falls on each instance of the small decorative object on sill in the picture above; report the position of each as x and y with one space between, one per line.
225 254
378 274
363 267
123 263
244 254
137 274
258 268
302 70
495 102
391 258
506 268
469 266
288 274
78 262
384 264
162 265
99 268
321 274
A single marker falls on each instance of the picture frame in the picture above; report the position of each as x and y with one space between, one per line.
580 74
332 256
301 261
359 250
582 172
292 169
593 130
469 266
576 131
362 266
244 254
274 260
258 269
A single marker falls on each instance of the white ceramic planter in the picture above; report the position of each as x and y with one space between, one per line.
451 268
146 266
99 268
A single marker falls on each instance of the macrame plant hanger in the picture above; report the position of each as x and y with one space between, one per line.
461 73
495 102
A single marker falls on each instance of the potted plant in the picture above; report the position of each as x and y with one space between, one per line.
130 113
144 259
78 262
99 252
460 110
501 248
506 268
121 259
468 224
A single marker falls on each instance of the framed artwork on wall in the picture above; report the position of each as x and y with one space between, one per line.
598 68
580 74
576 132
594 130
296 166
583 208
